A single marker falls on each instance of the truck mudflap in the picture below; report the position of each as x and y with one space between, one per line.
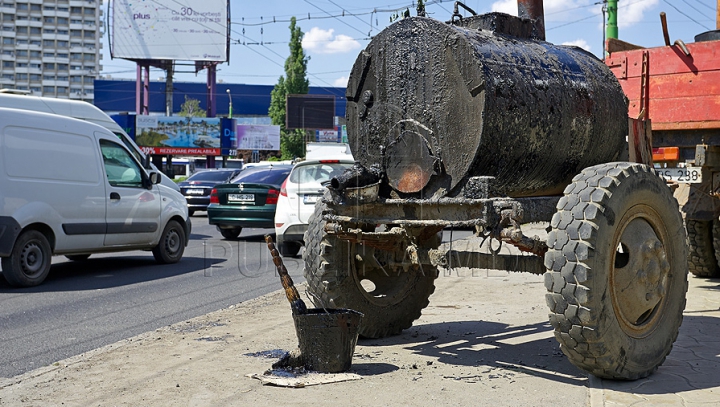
9 231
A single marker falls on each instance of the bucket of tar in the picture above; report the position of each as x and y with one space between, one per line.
327 338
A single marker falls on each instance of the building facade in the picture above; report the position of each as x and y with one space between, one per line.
51 47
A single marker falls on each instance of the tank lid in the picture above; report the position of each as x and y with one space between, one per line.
502 23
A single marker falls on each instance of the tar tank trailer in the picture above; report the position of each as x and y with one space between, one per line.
478 122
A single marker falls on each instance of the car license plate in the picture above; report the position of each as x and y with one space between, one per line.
194 191
684 175
310 199
241 197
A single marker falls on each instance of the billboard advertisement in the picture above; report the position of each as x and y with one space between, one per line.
327 136
185 30
177 135
257 137
339 135
310 112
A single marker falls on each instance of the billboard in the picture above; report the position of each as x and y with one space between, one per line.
327 136
256 137
339 135
310 112
186 30
185 135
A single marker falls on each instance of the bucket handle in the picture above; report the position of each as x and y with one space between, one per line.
315 298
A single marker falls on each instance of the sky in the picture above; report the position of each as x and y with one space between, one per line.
335 31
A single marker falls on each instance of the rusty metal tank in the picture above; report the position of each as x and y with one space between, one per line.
434 103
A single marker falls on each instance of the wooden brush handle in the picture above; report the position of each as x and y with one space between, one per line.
296 303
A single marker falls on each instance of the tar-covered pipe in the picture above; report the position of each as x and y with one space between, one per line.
533 10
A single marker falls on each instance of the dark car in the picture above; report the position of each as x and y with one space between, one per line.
198 186
249 201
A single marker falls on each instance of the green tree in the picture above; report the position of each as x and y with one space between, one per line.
191 108
295 82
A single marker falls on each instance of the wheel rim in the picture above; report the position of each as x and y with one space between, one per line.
382 286
32 259
172 242
640 271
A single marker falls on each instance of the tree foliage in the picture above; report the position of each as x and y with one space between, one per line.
295 82
191 108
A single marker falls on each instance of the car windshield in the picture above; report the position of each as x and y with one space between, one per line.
263 175
210 176
317 173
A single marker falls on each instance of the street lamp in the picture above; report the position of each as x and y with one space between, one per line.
229 97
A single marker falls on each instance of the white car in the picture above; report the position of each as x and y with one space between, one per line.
302 188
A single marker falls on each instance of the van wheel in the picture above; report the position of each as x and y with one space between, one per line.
172 244
78 257
289 249
29 261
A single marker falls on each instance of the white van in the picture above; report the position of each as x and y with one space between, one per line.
83 111
70 187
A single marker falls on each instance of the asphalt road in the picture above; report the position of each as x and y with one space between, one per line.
85 305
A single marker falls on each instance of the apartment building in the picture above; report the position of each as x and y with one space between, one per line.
51 47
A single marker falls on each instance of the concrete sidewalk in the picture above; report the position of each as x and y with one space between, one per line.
484 340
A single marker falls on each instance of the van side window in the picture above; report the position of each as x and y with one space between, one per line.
129 146
121 169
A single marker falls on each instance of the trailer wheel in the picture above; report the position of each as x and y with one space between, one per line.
617 271
337 279
702 247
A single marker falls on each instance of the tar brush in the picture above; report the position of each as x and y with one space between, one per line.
296 303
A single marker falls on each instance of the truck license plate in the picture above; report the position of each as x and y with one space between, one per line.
241 197
685 175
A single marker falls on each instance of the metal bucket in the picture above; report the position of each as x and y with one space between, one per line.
327 338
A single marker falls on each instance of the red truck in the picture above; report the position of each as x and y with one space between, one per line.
676 89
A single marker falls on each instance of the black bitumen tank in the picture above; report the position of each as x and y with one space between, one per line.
434 103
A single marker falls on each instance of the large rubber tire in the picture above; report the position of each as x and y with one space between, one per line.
333 275
171 247
617 271
29 261
701 248
230 234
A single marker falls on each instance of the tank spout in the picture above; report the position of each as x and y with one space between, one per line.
533 10
356 176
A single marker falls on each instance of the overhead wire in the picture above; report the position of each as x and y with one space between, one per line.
691 6
337 18
710 7
692 19
358 18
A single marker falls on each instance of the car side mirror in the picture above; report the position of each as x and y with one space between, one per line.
155 178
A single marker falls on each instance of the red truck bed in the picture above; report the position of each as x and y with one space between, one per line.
682 92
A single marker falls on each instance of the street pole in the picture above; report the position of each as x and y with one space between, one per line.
230 97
